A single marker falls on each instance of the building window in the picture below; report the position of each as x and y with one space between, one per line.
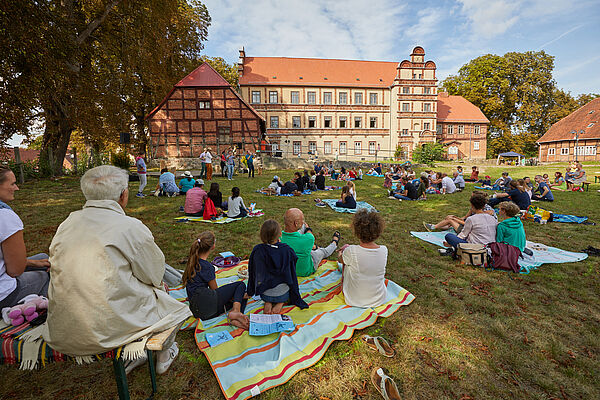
343 98
312 122
297 148
404 132
224 134
427 90
327 122
342 147
274 122
551 151
358 98
312 147
426 125
452 150
461 129
475 145
342 122
585 151
204 104
406 107
372 98
274 146
255 97
420 76
296 122
476 129
450 130
427 107
405 90
564 151
372 147
439 129
295 97
273 97
357 147
326 97
312 97
358 122
327 147
373 122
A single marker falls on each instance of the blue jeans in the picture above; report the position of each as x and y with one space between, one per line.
276 299
400 197
454 240
203 171
31 281
230 171
242 213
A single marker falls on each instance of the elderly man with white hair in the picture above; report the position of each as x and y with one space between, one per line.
106 286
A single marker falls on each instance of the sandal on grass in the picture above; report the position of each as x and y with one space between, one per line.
385 385
380 344
336 237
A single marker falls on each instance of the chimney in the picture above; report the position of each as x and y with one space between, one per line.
241 61
443 94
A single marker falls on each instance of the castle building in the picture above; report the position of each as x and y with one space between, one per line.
358 110
576 137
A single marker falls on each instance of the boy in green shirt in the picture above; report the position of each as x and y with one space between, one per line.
510 231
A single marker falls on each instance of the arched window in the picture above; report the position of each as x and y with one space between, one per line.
453 150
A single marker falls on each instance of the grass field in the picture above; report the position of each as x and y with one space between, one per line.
469 334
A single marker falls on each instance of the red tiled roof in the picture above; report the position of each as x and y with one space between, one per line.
579 120
317 72
203 76
458 109
26 154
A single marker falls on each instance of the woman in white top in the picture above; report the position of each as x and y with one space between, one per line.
363 265
19 276
352 187
235 205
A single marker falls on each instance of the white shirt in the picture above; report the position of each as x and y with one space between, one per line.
207 157
364 276
479 228
10 223
353 193
448 184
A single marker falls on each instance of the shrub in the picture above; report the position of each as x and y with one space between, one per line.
428 154
121 160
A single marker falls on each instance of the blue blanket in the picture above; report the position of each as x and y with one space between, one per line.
542 254
375 175
359 205
568 218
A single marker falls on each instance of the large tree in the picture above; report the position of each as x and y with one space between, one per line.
93 66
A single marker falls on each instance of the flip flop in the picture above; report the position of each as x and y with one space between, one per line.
380 344
385 385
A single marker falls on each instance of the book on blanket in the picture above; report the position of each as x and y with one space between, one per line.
265 324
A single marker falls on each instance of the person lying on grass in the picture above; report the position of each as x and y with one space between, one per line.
272 271
480 227
346 199
363 265
298 235
457 223
207 300
510 230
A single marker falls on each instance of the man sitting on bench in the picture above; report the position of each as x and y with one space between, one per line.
106 288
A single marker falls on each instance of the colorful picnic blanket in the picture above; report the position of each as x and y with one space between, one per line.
568 218
486 188
249 365
359 205
542 254
375 175
220 220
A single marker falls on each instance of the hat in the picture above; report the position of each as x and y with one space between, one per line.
200 181
276 177
187 174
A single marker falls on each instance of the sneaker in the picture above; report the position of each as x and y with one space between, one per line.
133 364
429 227
321 204
162 367
181 209
391 197
140 194
445 252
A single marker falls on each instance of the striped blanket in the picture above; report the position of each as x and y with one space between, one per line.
359 205
248 365
220 220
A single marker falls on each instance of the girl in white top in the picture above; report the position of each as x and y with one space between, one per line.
363 265
352 187
235 205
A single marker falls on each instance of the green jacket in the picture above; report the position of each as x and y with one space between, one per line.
511 231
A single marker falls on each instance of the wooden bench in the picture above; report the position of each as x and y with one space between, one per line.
585 186
154 343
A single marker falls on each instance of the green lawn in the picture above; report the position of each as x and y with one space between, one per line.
469 334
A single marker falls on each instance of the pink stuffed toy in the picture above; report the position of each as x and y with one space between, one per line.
28 310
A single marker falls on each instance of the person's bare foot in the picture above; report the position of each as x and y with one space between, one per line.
239 320
268 308
277 308
446 244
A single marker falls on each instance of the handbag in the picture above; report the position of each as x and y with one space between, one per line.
472 254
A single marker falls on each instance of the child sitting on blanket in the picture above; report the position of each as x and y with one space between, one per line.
272 271
352 189
235 205
346 201
207 300
363 265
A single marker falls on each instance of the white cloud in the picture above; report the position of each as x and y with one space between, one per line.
490 18
428 25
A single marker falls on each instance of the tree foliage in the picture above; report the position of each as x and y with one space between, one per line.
98 67
228 71
429 153
519 96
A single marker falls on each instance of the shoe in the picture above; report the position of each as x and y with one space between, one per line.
181 209
391 197
140 194
429 227
321 204
133 364
162 367
445 252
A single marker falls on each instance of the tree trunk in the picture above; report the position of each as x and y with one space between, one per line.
56 136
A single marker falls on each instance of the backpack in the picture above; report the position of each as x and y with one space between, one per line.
504 256
472 254
210 211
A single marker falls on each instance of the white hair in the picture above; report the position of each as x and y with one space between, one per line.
105 182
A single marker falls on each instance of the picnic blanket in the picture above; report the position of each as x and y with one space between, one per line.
486 188
220 220
573 219
359 205
376 175
542 254
249 365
